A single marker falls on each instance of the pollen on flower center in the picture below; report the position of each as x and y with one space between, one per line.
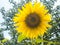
32 20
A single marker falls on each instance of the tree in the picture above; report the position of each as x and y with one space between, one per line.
52 37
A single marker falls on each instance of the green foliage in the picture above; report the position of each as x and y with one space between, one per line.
20 38
52 37
1 35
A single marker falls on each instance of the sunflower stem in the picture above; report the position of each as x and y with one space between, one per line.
42 40
33 42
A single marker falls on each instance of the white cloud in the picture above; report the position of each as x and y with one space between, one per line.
6 35
5 4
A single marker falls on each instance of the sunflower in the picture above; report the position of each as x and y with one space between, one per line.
32 20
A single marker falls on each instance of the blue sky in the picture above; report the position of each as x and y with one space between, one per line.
7 6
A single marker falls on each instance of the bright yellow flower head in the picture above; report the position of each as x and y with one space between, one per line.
32 20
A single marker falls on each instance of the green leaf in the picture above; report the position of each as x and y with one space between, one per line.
39 40
21 37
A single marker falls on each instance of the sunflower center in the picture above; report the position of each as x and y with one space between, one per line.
32 20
